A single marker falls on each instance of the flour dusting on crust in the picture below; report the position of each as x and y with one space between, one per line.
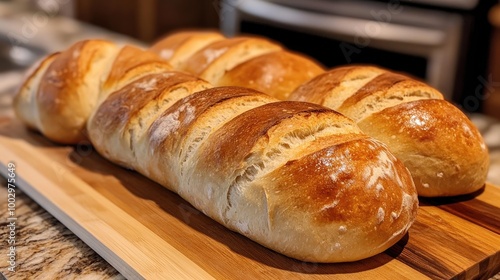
168 124
147 85
383 169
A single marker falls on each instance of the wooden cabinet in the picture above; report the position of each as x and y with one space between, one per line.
492 90
148 20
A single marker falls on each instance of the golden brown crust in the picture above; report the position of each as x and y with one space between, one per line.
166 46
189 110
438 143
176 48
276 73
273 171
69 90
125 116
132 63
179 131
346 190
199 61
252 126
384 91
381 83
200 102
330 88
122 105
387 106
365 195
24 102
212 61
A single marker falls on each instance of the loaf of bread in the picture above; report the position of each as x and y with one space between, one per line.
245 61
443 150
60 93
296 177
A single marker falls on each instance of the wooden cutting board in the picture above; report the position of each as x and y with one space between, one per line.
146 231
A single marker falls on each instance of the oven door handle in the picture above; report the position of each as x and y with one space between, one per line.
356 30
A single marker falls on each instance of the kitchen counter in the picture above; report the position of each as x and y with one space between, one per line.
48 250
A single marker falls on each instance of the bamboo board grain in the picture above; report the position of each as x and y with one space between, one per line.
146 231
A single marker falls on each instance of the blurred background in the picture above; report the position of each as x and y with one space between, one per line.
453 45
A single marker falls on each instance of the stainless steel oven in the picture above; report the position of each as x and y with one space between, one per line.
427 39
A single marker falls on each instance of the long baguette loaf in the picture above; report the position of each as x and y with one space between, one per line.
295 177
443 150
